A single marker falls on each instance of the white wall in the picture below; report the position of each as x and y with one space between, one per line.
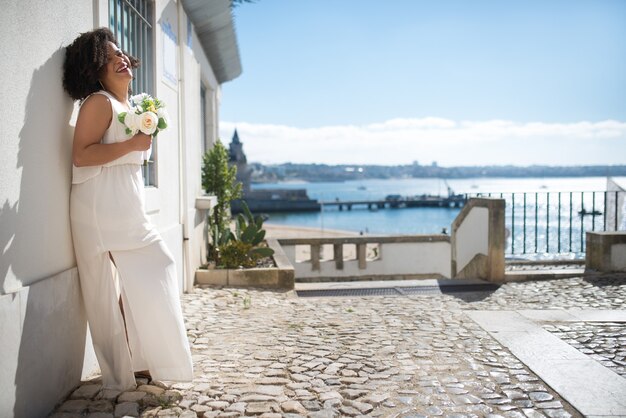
196 71
396 259
41 316
611 202
43 344
472 237
35 135
618 257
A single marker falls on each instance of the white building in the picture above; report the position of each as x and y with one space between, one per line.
188 48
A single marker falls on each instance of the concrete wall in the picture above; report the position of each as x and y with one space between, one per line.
615 206
41 315
606 251
196 72
477 241
44 330
472 237
399 256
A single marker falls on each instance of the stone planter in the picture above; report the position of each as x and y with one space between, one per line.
279 277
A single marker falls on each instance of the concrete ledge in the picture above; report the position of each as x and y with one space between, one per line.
370 278
547 274
279 277
206 202
430 282
606 251
367 239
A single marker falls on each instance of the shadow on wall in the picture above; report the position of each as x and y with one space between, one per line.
36 243
35 235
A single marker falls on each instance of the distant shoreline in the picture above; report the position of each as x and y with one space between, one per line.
316 173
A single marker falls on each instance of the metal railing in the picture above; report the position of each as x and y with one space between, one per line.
555 222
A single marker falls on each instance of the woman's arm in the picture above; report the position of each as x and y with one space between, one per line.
93 121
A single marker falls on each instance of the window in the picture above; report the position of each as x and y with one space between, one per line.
131 22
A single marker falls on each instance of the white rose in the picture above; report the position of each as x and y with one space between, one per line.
131 121
148 122
138 98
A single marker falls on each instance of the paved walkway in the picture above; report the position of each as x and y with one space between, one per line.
260 353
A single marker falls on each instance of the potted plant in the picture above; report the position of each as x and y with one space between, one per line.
232 255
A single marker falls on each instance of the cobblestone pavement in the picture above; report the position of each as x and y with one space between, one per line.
260 353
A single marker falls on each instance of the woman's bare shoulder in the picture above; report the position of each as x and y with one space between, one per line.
99 104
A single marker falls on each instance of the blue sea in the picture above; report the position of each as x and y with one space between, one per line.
416 220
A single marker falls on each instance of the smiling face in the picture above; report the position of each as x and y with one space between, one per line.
118 67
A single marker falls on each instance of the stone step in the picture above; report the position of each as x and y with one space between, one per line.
543 274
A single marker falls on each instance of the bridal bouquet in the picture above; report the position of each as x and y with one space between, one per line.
147 115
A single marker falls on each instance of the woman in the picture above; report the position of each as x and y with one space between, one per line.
127 274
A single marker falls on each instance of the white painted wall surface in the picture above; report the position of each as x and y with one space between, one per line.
472 236
618 257
405 258
615 204
43 344
42 323
196 71
35 139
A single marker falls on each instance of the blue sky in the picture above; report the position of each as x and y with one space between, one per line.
458 82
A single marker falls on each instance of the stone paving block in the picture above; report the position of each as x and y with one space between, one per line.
86 392
100 415
127 409
75 405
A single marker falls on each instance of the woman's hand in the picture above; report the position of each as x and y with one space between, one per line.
140 142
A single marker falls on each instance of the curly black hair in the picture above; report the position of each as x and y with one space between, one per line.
85 59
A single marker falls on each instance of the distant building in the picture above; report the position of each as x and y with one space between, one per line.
265 200
237 157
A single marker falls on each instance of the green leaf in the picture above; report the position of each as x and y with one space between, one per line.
162 124
262 251
121 117
258 237
241 225
246 210
226 236
249 233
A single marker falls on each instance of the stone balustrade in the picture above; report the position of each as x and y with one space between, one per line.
475 250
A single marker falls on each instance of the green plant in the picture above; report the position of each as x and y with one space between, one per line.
242 249
219 179
235 254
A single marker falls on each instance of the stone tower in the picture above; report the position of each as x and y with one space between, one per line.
237 157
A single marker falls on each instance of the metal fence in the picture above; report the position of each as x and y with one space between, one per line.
546 224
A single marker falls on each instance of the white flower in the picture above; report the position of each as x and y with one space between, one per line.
138 98
148 122
162 113
131 121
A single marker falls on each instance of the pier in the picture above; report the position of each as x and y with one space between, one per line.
397 202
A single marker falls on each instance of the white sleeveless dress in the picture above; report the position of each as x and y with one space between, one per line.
108 221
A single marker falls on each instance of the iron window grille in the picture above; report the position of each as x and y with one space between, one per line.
131 23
